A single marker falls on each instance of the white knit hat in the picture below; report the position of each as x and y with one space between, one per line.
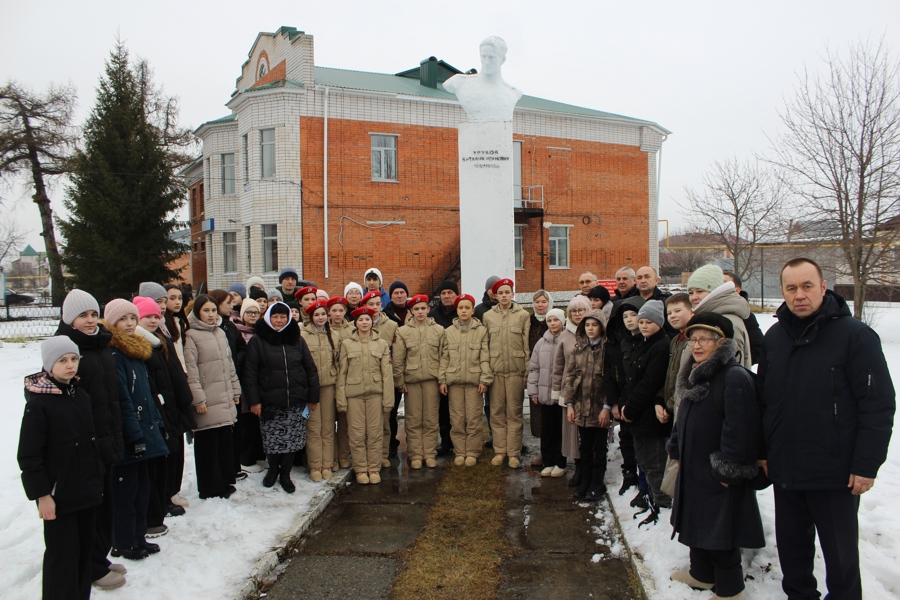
255 280
352 286
376 272
77 302
558 313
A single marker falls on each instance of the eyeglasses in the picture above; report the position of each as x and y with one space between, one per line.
252 313
586 281
703 341
577 311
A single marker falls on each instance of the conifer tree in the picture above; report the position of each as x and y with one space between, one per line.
124 192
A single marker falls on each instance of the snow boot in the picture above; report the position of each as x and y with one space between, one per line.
629 480
597 491
581 491
271 477
576 478
287 462
639 501
653 517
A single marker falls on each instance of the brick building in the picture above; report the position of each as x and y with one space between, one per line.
334 171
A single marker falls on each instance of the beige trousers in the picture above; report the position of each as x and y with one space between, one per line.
466 420
342 439
364 417
507 394
421 419
320 431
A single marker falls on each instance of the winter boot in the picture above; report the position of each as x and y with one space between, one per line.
629 480
274 466
581 491
597 491
576 478
653 517
639 501
287 461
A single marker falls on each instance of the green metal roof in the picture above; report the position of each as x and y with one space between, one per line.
225 119
29 251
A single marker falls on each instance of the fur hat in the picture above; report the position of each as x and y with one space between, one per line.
146 307
118 308
653 311
239 288
375 271
447 285
287 272
55 347
152 290
77 302
707 278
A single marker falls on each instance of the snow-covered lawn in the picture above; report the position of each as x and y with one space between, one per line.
879 519
208 553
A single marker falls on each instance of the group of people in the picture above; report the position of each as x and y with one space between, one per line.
260 378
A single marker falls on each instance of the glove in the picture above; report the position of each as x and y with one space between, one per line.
137 449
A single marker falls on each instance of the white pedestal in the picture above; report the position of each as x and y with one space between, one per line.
486 226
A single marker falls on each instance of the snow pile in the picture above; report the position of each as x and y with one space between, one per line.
208 553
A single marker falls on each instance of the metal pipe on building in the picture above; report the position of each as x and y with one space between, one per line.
325 181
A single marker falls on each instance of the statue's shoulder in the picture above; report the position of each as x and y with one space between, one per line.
455 82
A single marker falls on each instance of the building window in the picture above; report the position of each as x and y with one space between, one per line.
228 174
208 163
384 157
194 212
559 247
196 247
229 241
247 247
203 245
517 174
202 209
270 248
267 153
519 234
244 158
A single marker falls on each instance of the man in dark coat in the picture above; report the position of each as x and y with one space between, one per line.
647 282
827 425
396 309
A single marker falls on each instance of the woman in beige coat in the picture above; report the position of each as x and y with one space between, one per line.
323 345
216 391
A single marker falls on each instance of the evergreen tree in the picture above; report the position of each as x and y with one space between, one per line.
124 192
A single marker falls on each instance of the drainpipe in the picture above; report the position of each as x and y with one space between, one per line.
325 181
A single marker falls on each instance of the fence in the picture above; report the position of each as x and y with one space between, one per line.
28 321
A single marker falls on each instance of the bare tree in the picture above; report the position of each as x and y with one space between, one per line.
741 203
36 138
162 112
686 252
11 236
841 149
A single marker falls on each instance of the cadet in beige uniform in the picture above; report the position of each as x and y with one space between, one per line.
340 329
323 345
386 329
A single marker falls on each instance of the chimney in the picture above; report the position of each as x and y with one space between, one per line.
428 72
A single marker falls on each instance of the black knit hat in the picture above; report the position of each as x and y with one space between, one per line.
599 292
256 293
711 322
447 285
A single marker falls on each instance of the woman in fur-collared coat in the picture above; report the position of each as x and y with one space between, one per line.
716 443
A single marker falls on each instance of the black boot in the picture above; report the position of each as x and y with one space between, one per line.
639 501
582 490
271 477
629 480
597 491
287 461
576 478
653 517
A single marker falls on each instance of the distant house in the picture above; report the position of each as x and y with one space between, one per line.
30 271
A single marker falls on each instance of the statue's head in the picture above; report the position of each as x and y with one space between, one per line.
493 54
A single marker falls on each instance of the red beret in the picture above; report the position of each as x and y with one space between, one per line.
417 299
337 300
304 291
363 310
504 281
370 295
464 297
317 304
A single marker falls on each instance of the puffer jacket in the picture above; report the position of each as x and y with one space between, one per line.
465 355
540 367
725 301
365 370
168 379
58 451
561 362
97 376
325 348
141 419
279 369
508 339
583 387
614 381
646 362
417 352
211 374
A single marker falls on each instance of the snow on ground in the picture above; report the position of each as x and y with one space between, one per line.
208 553
879 520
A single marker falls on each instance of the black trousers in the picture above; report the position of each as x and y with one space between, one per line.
131 494
626 446
833 514
214 460
103 531
236 436
444 420
174 467
721 567
68 542
251 439
157 469
394 442
593 449
651 455
551 434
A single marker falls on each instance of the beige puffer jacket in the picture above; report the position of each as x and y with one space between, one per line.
417 352
210 374
365 370
324 353
465 355
508 339
725 301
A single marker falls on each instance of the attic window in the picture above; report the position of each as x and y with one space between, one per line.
263 68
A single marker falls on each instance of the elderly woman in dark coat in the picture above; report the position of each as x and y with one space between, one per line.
716 441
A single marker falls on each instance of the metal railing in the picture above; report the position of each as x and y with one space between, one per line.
528 197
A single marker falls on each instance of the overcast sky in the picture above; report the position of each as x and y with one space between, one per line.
714 73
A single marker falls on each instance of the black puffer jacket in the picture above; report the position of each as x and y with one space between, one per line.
616 333
645 363
279 371
97 376
168 379
236 343
829 399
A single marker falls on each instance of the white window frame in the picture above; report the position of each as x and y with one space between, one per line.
270 247
226 170
519 246
245 158
207 176
553 247
229 246
265 145
381 154
247 247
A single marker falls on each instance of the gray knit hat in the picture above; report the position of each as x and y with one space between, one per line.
707 277
490 282
118 308
653 311
238 288
54 347
77 302
152 290
287 272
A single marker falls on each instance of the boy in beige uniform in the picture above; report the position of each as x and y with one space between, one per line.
465 375
341 328
365 390
417 358
508 325
386 330
323 344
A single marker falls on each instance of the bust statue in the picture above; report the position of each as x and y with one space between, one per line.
485 96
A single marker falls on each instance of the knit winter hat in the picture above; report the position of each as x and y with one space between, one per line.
247 304
276 295
146 307
322 295
558 313
707 277
256 280
653 311
353 286
375 271
490 282
447 285
152 290
77 302
396 285
239 288
287 272
55 347
255 293
118 308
